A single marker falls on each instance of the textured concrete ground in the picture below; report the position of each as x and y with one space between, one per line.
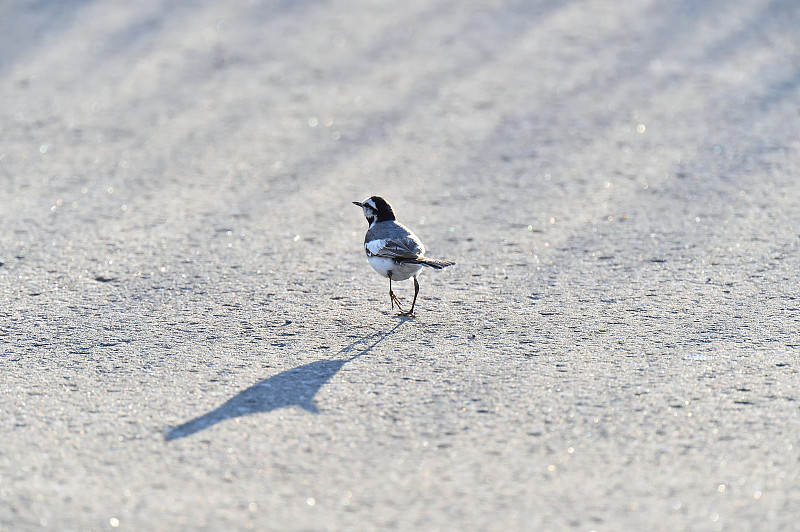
191 337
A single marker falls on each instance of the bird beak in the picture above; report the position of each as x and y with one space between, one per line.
358 203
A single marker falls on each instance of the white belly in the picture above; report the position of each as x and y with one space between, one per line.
400 272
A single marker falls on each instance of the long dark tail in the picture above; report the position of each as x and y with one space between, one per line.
436 264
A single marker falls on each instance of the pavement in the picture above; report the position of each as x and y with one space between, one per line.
190 335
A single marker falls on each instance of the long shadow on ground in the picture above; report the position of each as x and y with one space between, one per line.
293 387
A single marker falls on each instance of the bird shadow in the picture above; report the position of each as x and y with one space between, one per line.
293 387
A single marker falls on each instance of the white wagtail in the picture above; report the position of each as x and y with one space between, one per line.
393 250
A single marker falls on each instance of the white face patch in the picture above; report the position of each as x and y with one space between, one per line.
370 211
375 246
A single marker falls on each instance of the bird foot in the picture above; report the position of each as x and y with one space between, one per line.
395 301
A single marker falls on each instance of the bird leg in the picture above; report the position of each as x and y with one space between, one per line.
416 291
393 297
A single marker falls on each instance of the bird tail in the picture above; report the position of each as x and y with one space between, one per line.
436 264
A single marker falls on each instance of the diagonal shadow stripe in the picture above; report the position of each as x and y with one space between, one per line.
293 387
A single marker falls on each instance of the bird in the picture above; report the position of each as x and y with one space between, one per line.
393 250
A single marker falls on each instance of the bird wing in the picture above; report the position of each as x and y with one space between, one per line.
394 248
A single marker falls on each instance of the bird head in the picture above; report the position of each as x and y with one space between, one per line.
376 209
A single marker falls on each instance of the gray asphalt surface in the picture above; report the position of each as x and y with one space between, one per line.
191 336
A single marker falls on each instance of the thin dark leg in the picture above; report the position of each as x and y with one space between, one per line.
416 291
393 298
